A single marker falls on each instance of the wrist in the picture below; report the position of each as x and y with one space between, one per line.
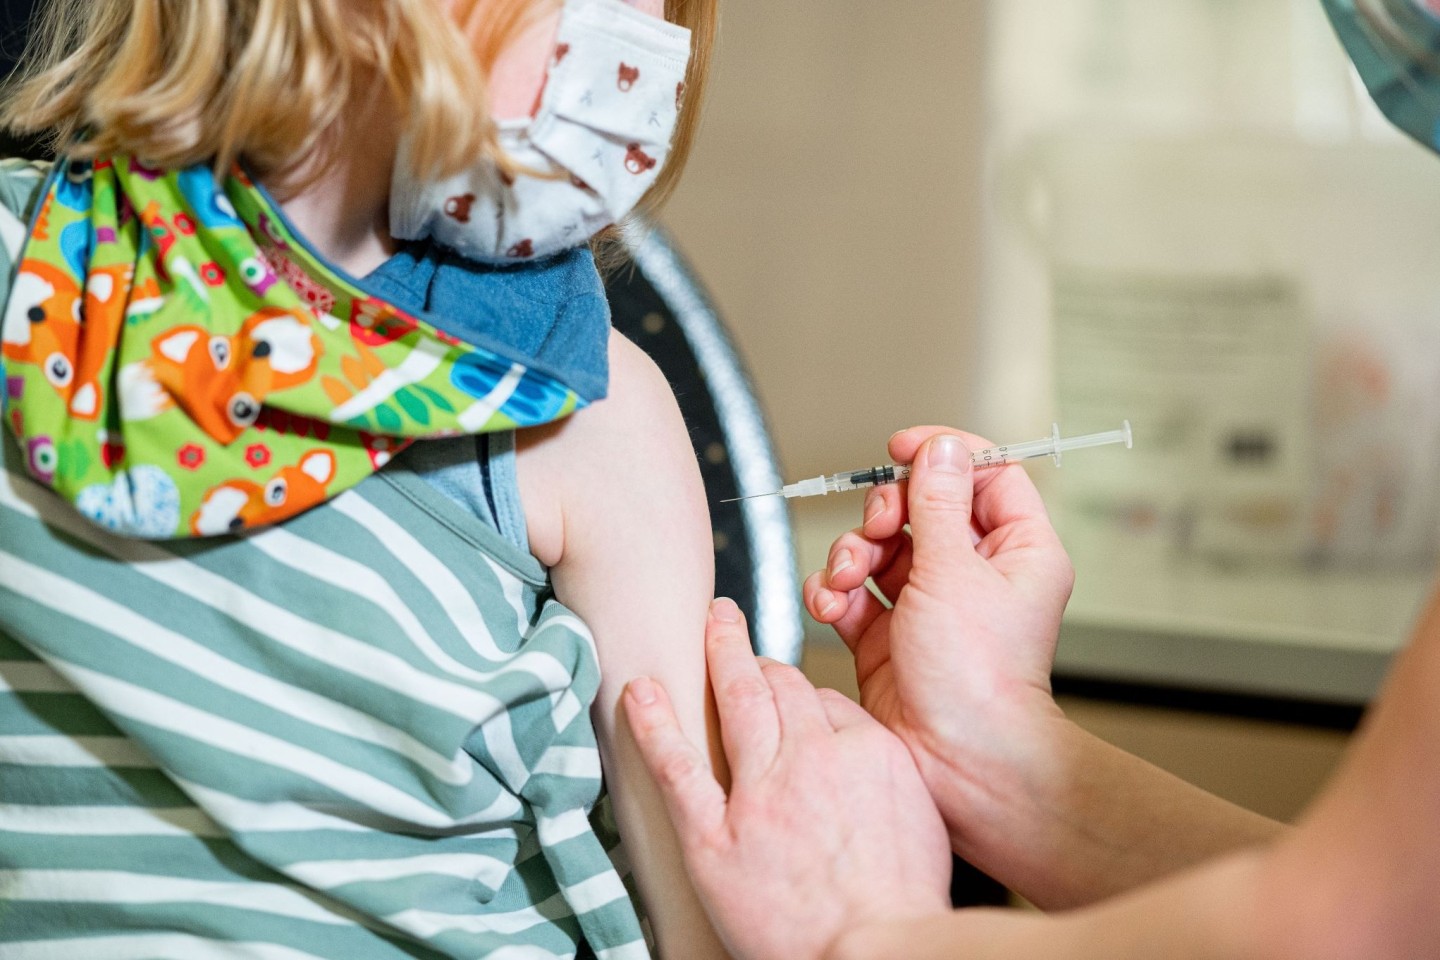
883 937
992 783
860 941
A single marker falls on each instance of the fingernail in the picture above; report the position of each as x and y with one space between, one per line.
874 508
895 434
643 690
725 610
827 602
948 454
842 561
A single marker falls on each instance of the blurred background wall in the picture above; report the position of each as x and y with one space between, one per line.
833 208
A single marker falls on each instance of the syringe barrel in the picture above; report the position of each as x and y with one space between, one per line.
999 456
869 477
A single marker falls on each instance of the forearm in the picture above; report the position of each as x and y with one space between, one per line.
1077 820
1205 914
1354 881
676 915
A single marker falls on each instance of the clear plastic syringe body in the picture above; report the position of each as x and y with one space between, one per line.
1051 446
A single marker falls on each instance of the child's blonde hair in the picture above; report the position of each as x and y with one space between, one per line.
179 82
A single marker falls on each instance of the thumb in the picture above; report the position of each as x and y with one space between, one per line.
942 488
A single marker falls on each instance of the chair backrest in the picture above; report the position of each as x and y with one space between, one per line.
657 302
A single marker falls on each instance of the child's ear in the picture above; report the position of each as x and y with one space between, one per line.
319 465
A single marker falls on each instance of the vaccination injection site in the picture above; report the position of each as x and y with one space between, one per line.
719 480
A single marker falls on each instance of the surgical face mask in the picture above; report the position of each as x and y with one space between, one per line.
1395 45
597 142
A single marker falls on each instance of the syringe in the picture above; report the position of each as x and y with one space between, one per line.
1051 446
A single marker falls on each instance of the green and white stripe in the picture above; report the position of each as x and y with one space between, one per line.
363 734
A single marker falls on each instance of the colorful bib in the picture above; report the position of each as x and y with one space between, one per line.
180 363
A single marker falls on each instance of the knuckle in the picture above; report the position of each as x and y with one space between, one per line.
748 689
944 498
647 724
783 673
714 843
725 640
675 770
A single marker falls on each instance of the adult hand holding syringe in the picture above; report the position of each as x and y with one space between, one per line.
1052 446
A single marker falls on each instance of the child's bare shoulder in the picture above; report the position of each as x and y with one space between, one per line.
621 462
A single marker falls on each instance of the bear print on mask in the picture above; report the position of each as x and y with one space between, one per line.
458 208
637 161
628 76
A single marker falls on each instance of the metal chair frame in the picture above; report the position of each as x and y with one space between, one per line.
777 630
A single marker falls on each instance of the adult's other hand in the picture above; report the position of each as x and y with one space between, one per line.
826 825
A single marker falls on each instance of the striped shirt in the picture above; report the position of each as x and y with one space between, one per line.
362 734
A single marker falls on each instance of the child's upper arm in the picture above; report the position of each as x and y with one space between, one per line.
615 505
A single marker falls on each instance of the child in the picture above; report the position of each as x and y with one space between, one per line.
291 704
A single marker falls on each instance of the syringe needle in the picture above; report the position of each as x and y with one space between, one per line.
751 497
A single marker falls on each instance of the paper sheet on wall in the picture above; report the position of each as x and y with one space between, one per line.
1214 372
1251 445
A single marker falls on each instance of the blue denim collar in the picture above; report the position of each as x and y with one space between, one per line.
551 311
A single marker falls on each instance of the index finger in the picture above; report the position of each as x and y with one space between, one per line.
695 800
749 721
